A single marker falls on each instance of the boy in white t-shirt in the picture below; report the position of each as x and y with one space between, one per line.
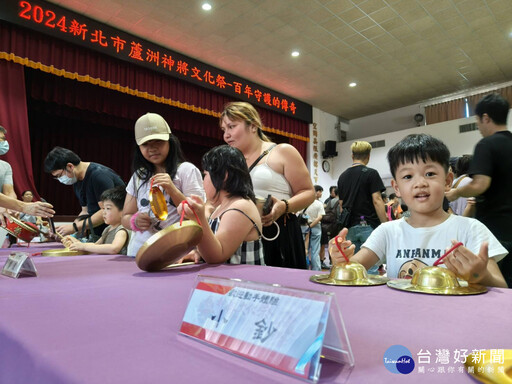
419 165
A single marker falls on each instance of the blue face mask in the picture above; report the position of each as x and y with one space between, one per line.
65 179
4 147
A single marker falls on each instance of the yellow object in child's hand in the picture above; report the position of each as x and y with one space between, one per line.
158 203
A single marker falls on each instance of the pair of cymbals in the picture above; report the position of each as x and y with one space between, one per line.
429 280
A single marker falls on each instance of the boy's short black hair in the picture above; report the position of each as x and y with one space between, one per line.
318 188
495 106
116 195
392 196
58 158
418 146
333 188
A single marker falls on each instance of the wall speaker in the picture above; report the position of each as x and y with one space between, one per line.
330 149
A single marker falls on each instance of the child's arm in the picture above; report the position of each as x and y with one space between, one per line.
365 256
106 249
193 256
68 240
475 268
219 247
142 221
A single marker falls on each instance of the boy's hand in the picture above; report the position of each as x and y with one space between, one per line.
68 240
346 245
467 265
78 246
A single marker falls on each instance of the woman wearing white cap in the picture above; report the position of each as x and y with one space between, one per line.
158 160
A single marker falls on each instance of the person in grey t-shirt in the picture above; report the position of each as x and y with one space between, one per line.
6 183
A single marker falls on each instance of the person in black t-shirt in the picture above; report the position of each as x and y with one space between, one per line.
360 189
491 171
89 181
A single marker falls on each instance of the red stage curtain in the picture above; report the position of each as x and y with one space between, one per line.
88 66
13 117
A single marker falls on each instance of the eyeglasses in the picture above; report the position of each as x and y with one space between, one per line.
60 175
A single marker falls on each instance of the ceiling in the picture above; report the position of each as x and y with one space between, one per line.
399 52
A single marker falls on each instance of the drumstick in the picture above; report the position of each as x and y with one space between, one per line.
52 224
440 260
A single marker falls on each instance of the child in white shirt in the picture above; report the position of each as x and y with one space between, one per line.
419 165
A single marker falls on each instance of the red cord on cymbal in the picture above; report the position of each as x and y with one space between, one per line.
183 212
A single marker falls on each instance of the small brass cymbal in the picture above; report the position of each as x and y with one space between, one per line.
168 245
158 203
350 274
436 281
490 366
62 252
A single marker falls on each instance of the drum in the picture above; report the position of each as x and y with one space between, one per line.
21 230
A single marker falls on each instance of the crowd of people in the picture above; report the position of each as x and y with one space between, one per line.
427 211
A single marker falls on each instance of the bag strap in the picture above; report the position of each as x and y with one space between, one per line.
304 210
263 154
87 223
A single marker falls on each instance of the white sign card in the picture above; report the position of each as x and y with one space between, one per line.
19 264
286 329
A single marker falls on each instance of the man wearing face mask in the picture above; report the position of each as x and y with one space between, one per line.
6 183
89 181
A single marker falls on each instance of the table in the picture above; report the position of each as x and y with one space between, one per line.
99 319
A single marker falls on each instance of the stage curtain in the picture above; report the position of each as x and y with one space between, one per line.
13 117
49 54
450 110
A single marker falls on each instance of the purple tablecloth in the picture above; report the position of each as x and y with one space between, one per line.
99 319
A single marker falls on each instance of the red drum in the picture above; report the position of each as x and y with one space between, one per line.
22 230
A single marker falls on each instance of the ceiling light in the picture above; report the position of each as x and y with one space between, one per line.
352 84
206 7
295 53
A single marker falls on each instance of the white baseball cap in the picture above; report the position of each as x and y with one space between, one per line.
151 126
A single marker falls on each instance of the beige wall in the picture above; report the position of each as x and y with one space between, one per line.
458 144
